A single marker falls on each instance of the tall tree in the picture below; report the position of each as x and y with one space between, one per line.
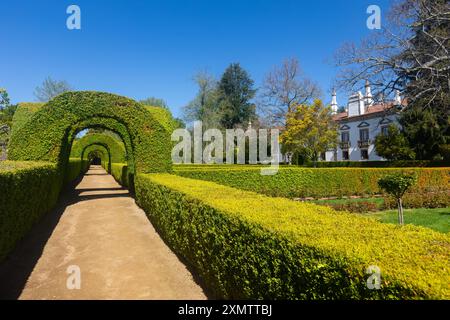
310 130
283 88
204 107
235 92
411 54
50 88
393 145
155 102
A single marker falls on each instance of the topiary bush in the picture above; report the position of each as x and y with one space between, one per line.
245 245
49 133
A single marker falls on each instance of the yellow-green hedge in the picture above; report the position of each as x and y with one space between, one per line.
27 191
122 175
311 182
247 245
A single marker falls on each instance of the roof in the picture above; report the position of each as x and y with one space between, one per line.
371 111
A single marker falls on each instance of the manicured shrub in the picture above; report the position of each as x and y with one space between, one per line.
314 182
28 190
248 246
381 164
115 147
437 198
49 132
75 168
120 172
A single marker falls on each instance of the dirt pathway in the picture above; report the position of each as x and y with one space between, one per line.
100 230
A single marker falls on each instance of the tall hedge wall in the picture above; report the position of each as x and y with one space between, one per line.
248 246
48 133
116 147
314 182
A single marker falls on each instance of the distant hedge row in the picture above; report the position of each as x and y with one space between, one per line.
311 182
381 164
245 245
28 190
120 172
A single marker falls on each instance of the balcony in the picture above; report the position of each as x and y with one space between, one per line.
364 144
344 145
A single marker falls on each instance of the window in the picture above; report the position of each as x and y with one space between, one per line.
345 155
384 130
364 134
364 154
345 136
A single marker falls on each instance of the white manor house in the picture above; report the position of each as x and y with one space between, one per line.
362 120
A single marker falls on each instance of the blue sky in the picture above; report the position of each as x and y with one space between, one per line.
153 48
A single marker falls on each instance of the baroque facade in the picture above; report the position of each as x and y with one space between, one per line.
362 120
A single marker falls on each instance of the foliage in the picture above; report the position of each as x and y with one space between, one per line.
393 145
310 130
434 198
248 246
425 131
29 190
115 148
155 102
354 206
235 91
53 127
50 88
381 164
397 184
296 182
122 175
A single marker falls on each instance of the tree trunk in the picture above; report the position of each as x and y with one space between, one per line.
400 211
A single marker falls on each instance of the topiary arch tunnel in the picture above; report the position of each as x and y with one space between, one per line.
50 131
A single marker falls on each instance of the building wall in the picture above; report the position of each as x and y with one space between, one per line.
374 125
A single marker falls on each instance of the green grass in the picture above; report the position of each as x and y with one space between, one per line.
436 219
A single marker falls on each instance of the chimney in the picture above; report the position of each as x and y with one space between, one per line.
398 98
368 99
356 105
334 105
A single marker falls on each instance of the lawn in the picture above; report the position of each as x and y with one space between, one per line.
436 219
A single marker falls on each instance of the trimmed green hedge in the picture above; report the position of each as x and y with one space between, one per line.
120 172
49 133
115 147
381 164
248 246
314 182
28 190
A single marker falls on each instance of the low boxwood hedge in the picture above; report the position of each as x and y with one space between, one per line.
244 245
314 182
29 190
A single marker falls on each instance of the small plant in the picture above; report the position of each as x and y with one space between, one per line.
396 185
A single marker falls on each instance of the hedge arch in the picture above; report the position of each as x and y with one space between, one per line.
98 151
115 147
100 147
50 131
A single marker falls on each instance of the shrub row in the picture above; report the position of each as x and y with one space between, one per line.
122 175
427 199
315 182
29 190
381 164
244 245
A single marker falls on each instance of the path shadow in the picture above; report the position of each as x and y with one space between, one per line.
19 264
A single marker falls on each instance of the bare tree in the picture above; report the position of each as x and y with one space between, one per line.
283 88
410 53
50 88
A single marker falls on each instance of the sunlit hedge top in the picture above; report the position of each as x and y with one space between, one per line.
48 133
114 146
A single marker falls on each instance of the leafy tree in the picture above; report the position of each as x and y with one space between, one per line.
283 88
396 185
425 131
50 88
205 106
310 130
393 145
235 91
4 98
155 102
